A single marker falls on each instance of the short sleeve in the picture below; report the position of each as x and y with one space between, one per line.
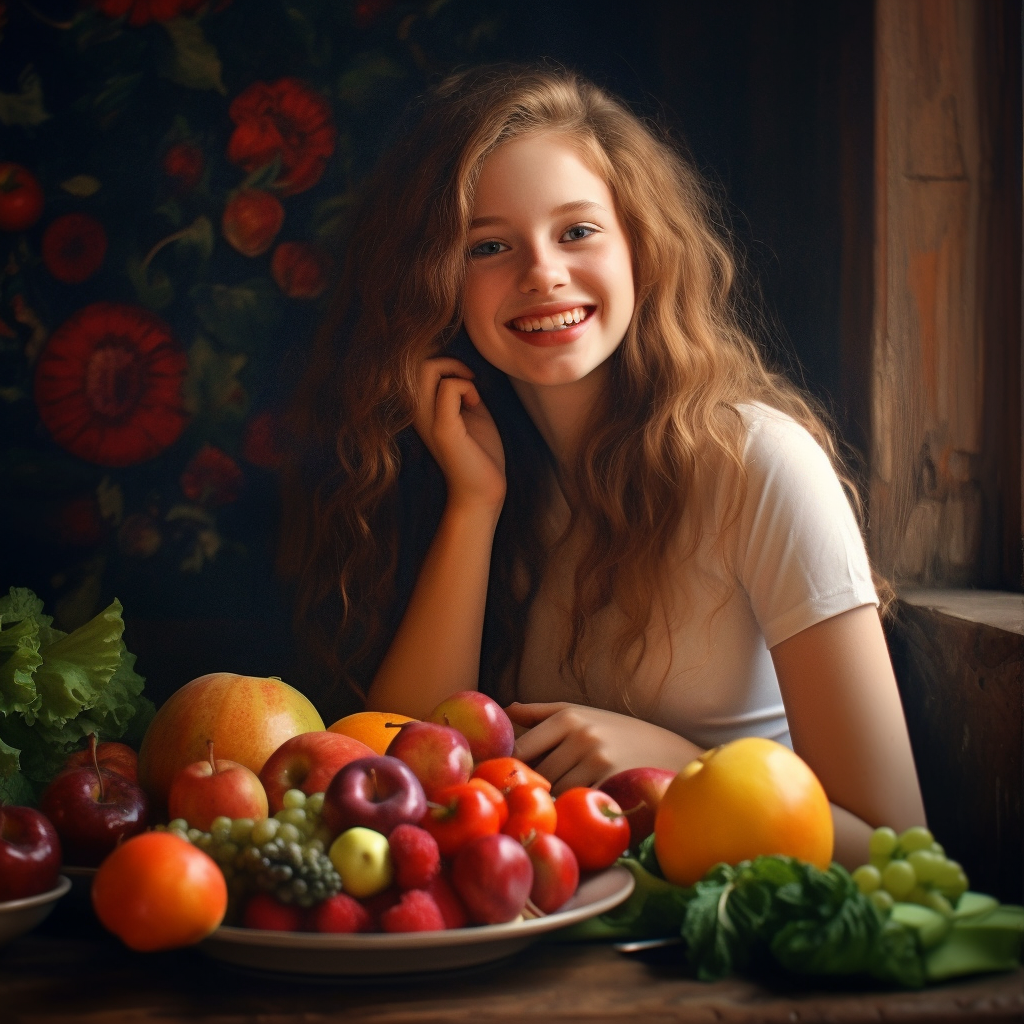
800 555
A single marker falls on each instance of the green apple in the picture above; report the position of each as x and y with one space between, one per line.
362 858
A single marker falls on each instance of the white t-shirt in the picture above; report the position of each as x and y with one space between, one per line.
793 557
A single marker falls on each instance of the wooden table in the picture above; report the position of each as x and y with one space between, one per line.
69 970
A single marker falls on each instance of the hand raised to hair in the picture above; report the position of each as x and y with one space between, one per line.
573 745
459 433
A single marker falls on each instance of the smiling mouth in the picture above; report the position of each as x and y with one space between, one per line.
553 322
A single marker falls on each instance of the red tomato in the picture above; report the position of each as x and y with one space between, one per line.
506 773
460 813
530 809
21 198
593 825
494 795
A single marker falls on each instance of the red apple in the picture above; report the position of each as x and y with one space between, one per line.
205 790
438 755
248 718
30 853
115 757
308 762
638 791
493 877
375 792
93 810
556 872
483 722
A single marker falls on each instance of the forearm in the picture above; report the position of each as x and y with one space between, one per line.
436 649
851 838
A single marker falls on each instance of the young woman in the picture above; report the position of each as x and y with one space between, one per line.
637 539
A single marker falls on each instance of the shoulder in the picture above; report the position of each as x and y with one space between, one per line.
770 433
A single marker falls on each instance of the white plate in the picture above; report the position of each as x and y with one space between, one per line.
20 916
310 953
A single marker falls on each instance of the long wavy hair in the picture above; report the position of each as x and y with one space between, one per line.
362 496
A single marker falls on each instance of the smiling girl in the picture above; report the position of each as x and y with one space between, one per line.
542 458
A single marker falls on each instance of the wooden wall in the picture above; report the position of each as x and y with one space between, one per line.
945 354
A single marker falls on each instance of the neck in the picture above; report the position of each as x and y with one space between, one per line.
560 411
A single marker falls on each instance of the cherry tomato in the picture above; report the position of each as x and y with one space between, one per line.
459 814
508 772
530 809
593 825
21 198
494 795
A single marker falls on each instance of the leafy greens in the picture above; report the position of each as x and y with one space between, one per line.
57 687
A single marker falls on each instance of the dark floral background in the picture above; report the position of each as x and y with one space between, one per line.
173 174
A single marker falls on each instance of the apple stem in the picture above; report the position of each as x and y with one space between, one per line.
96 764
639 807
209 752
373 780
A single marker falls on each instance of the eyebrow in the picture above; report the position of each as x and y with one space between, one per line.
576 206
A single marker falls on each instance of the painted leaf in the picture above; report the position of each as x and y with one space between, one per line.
81 185
26 106
194 62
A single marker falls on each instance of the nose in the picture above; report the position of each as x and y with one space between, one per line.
543 269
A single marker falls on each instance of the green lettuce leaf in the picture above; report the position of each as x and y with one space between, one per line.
19 658
77 667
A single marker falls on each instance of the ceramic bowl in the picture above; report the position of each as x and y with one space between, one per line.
20 916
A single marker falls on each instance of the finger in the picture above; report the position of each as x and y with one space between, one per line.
570 760
581 774
531 714
543 737
452 394
439 367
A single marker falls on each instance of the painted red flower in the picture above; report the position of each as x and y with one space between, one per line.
108 385
73 247
211 477
300 270
183 164
142 12
288 119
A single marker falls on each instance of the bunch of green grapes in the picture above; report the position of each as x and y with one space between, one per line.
912 868
283 855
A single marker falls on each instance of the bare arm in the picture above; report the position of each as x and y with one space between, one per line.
436 649
846 721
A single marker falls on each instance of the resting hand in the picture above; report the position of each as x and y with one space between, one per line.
572 745
459 432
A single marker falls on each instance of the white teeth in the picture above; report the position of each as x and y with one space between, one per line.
556 321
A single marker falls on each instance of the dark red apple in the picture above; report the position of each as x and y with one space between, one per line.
438 755
375 792
114 756
493 876
556 872
483 722
638 791
308 762
93 809
30 854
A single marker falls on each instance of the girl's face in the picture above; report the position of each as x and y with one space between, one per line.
549 281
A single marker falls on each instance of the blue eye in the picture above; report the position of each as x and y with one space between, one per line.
578 232
487 249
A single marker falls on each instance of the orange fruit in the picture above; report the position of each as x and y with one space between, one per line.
158 891
371 728
746 798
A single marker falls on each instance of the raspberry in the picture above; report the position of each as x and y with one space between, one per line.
263 911
416 911
340 913
415 856
447 899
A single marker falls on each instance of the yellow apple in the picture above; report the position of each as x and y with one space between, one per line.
247 718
